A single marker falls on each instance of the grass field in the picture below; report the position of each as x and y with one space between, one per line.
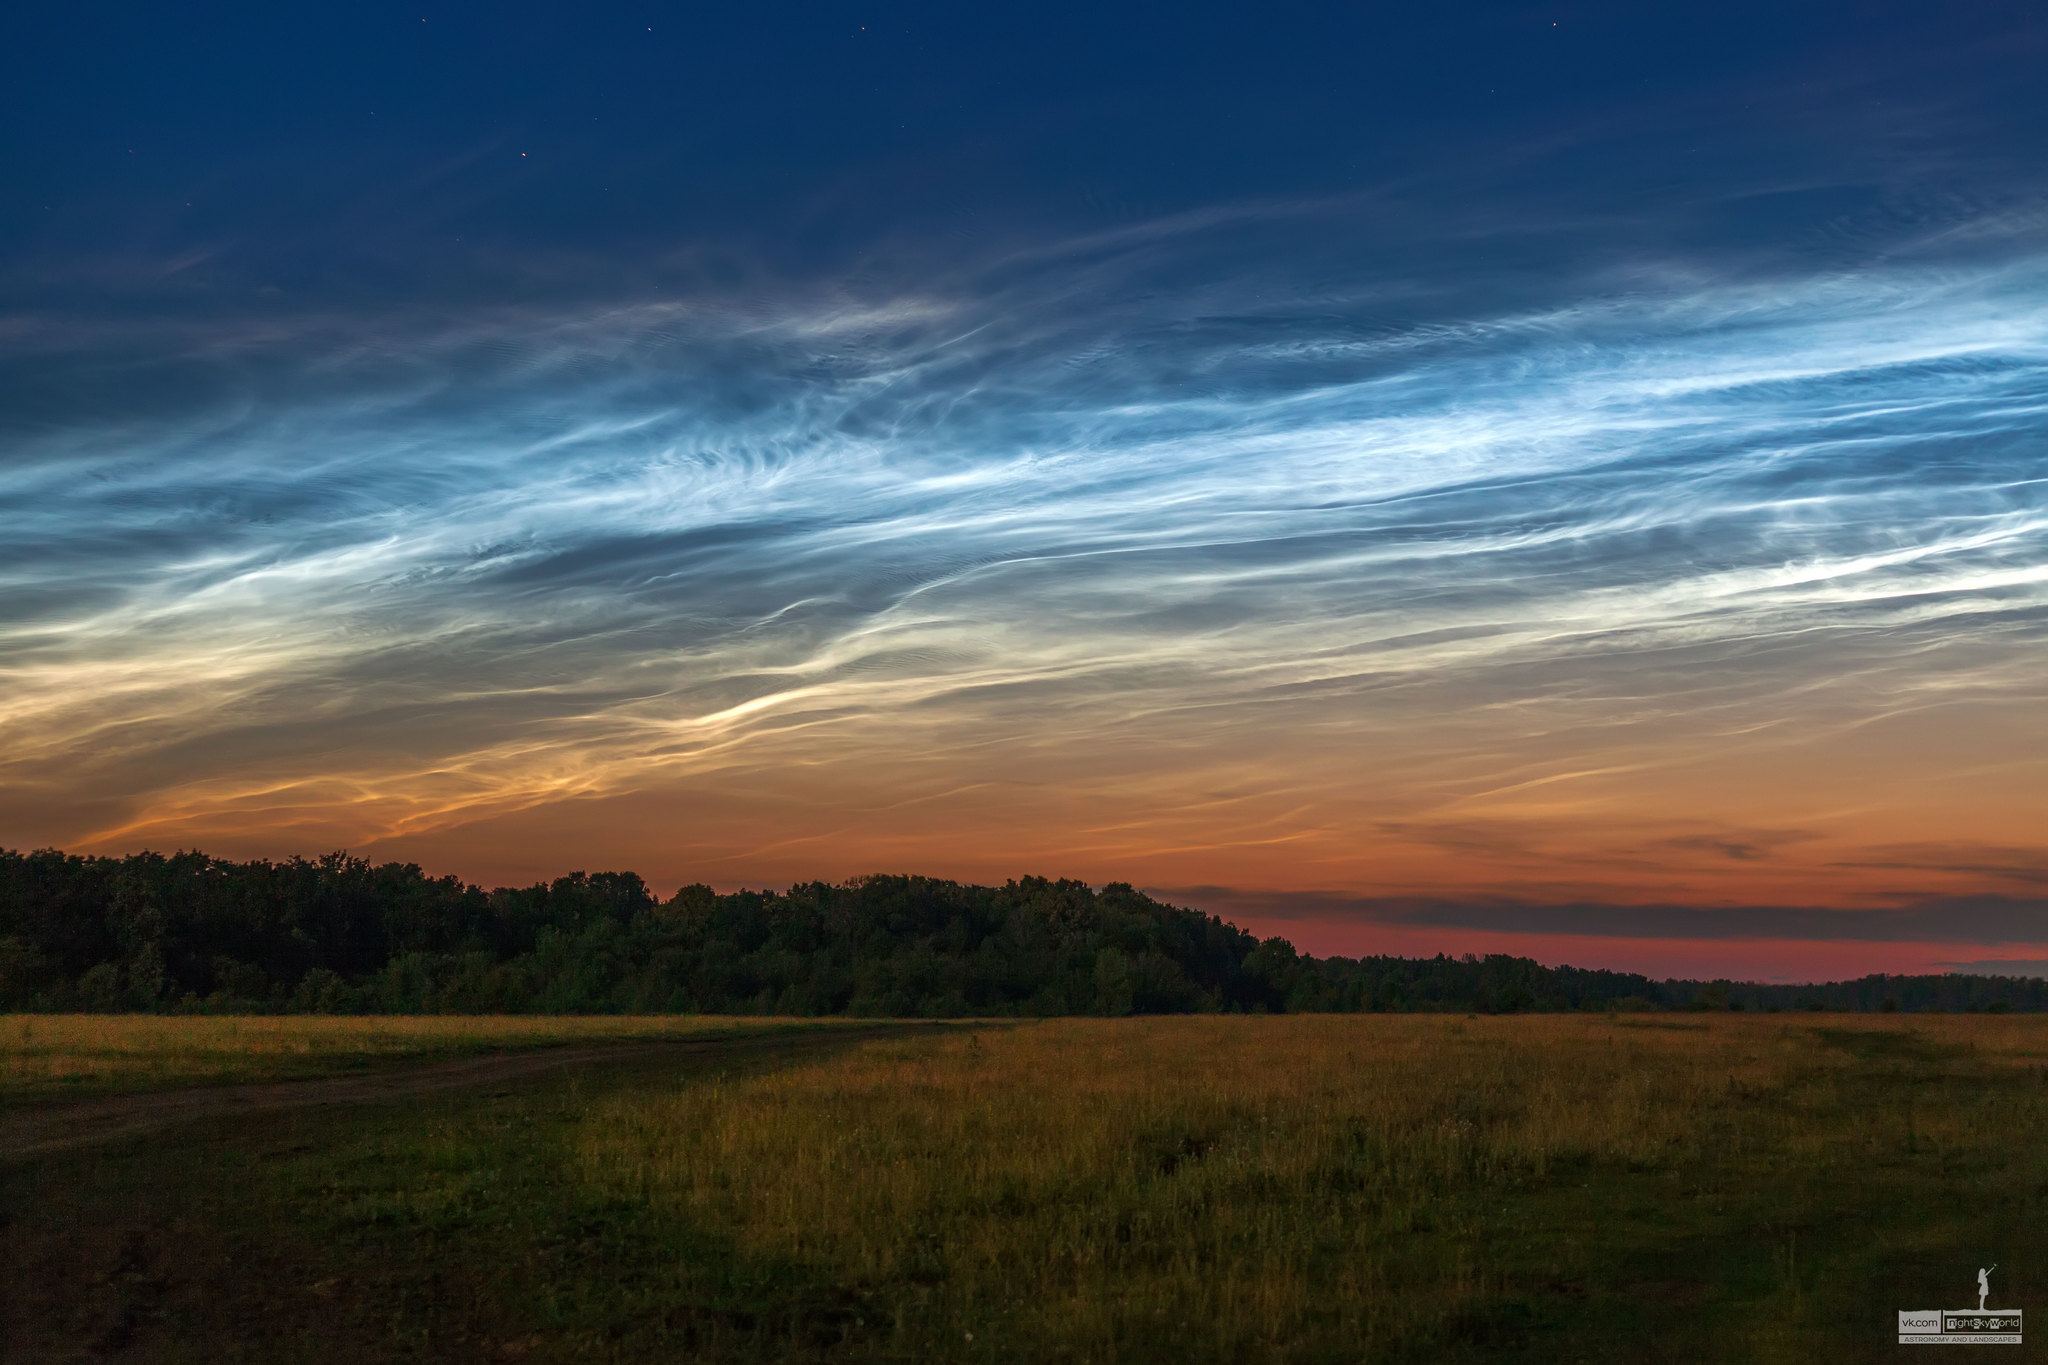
59 1056
1398 1188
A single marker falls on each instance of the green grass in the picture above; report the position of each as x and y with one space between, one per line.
1294 1189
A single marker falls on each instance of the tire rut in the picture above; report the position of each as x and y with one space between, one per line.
62 1127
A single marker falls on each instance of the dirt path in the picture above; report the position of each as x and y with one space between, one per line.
55 1128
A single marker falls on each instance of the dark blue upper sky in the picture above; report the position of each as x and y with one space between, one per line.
551 147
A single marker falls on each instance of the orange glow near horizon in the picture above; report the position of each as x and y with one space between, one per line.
1869 812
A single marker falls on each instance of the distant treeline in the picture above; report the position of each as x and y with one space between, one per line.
339 935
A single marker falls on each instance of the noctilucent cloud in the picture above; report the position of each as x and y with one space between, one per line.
1565 480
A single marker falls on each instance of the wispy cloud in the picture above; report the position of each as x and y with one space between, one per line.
1356 567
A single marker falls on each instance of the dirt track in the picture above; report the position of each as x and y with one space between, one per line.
58 1127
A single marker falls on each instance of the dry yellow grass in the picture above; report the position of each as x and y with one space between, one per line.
50 1055
1253 1188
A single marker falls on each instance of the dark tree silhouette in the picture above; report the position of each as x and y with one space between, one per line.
337 934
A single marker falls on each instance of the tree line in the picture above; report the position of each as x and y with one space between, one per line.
337 934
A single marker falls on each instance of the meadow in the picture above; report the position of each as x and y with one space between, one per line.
1293 1188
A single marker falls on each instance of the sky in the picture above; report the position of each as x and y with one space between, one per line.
1569 480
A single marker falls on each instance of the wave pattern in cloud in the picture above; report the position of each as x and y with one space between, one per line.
1696 587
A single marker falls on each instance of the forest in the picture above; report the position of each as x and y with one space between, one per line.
336 934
